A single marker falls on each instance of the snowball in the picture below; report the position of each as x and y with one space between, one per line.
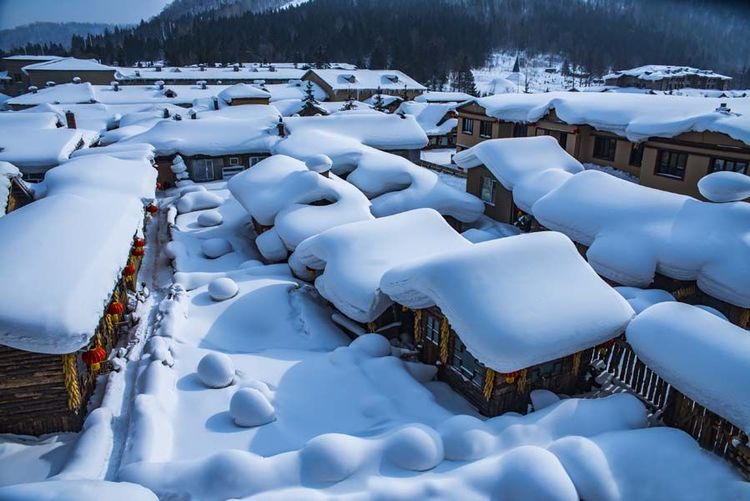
216 370
210 218
332 457
319 163
465 438
543 398
249 407
415 447
198 200
222 288
216 247
725 186
373 345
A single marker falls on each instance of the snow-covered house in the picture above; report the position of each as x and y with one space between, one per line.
8 173
504 317
241 93
340 85
64 300
443 97
18 80
632 235
213 75
289 201
65 69
702 364
666 78
667 142
214 145
439 121
348 262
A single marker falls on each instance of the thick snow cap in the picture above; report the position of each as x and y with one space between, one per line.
704 357
517 301
243 91
530 167
355 256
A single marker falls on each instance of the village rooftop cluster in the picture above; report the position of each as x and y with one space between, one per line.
229 281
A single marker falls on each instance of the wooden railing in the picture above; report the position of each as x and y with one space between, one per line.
441 168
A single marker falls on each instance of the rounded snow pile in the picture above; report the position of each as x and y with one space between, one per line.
373 345
319 163
530 472
415 448
332 457
725 186
222 288
198 200
174 249
191 188
543 398
216 370
249 407
465 438
210 218
216 247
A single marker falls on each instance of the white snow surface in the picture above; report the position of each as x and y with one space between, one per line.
703 356
355 256
431 116
725 186
517 301
38 150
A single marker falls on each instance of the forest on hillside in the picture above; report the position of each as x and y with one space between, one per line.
432 39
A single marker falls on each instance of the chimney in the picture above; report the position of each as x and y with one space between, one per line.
202 67
202 84
70 119
166 113
236 67
281 128
50 84
157 67
177 117
192 114
33 89
76 80
216 102
115 85
159 84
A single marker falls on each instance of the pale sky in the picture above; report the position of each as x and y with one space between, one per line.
16 12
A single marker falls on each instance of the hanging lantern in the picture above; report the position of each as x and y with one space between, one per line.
129 270
138 251
116 308
510 377
94 357
139 242
152 209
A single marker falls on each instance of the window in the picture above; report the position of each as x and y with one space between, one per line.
520 130
488 190
636 154
234 161
485 129
604 148
467 126
465 363
203 170
563 140
719 164
671 164
255 160
432 329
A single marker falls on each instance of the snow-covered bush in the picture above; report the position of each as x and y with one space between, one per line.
216 247
249 407
222 288
210 218
466 438
332 457
415 447
216 370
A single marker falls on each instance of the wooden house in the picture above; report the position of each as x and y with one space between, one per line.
667 78
18 80
505 317
341 85
243 94
67 69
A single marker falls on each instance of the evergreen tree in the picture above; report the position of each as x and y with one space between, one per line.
349 103
309 103
464 80
378 102
517 65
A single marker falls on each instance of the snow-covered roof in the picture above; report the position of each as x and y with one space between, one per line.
213 135
280 191
194 73
431 116
68 251
24 57
443 97
653 72
35 150
355 256
69 64
243 91
68 93
634 116
704 357
17 120
517 301
528 166
387 80
379 130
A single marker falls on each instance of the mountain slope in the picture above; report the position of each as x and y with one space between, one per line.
222 8
47 33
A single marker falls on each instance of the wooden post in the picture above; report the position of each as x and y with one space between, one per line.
71 382
489 383
445 332
417 326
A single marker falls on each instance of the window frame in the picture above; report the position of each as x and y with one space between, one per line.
234 161
714 160
482 125
432 329
459 362
659 163
467 126
636 154
493 189
597 152
517 129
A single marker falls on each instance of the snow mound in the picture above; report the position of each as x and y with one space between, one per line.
198 200
704 357
536 474
174 249
543 398
466 438
331 457
210 218
76 490
216 370
249 407
319 163
373 345
415 447
640 299
517 301
214 248
221 289
725 186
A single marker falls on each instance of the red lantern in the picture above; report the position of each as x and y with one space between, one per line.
129 270
94 357
138 251
139 242
158 186
510 377
116 308
152 209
